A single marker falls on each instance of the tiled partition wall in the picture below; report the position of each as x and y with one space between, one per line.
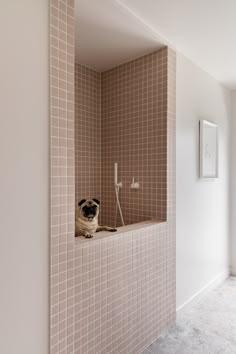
112 294
120 296
134 134
87 133
62 176
171 188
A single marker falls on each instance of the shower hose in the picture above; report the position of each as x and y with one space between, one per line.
117 189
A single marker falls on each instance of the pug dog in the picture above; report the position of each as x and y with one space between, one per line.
86 219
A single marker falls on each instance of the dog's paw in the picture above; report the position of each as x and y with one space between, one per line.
89 236
113 230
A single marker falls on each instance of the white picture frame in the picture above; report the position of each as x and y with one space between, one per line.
208 149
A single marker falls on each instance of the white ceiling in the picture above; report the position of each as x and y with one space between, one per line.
108 35
110 32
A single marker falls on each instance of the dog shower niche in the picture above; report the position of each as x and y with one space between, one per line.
120 127
117 146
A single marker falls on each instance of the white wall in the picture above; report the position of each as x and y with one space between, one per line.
24 177
203 225
233 184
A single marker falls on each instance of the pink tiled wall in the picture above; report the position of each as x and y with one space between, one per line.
112 294
171 188
134 99
62 176
87 133
120 116
121 291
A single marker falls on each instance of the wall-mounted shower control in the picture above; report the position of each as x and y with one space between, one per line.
134 185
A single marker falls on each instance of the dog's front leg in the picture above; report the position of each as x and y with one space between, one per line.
88 235
105 228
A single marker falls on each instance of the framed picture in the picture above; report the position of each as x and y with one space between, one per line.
208 149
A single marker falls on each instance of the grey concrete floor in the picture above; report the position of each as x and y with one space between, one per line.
208 328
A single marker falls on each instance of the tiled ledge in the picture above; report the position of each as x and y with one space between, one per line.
120 231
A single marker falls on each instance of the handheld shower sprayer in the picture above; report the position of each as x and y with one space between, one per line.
119 185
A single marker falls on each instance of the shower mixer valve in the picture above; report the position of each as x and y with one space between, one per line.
134 185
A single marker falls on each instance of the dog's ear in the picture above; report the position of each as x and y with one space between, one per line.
96 201
81 202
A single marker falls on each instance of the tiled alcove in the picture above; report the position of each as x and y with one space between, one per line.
113 294
120 116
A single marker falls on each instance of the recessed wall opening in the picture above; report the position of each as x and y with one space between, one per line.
120 122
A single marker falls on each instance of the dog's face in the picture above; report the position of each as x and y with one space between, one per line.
89 209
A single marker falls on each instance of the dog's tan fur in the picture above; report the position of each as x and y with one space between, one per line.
85 226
